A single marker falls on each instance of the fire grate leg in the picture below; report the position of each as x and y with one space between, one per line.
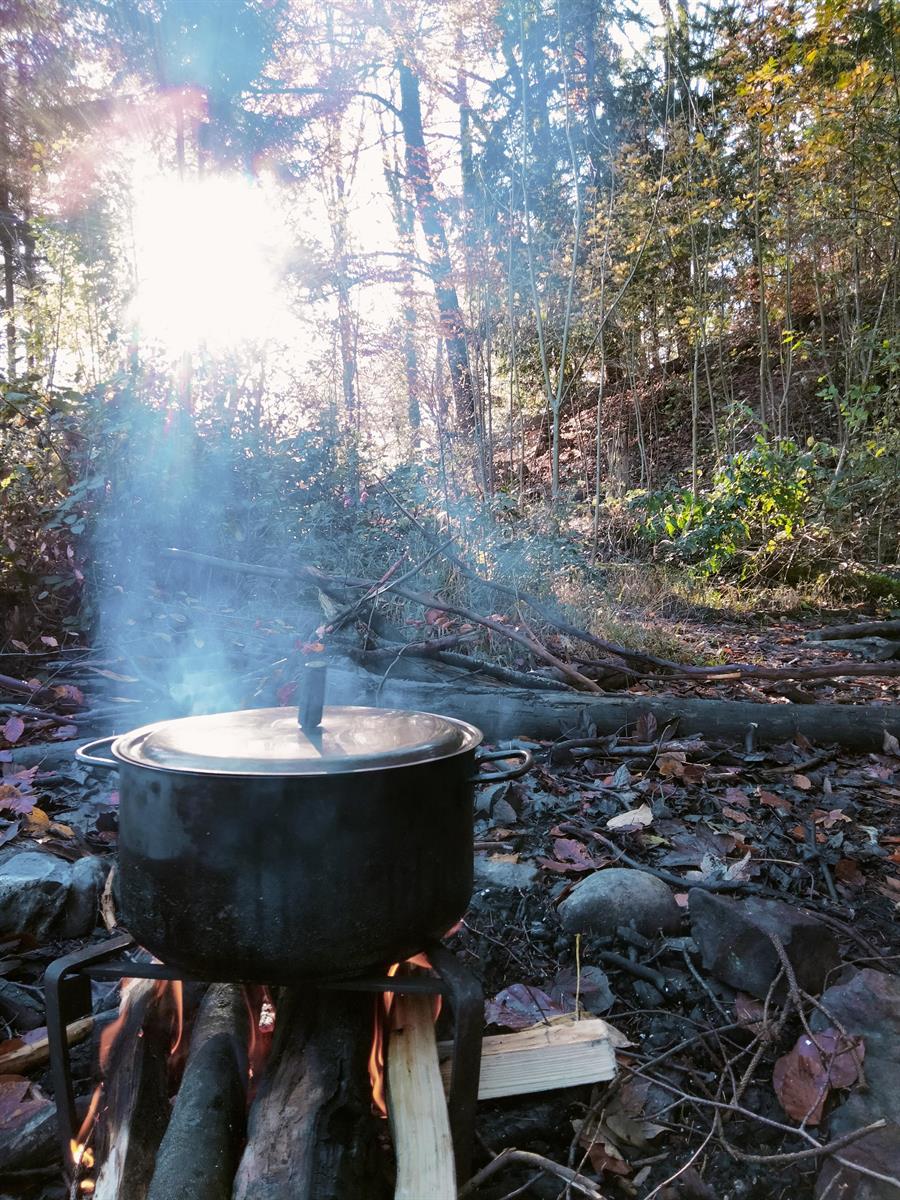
464 992
60 978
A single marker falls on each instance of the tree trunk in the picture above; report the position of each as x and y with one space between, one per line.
418 169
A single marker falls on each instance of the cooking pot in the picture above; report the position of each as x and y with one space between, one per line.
252 850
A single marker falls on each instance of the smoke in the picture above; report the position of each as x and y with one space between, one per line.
197 639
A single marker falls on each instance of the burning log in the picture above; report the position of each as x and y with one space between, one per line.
198 1155
416 1104
311 1132
135 1100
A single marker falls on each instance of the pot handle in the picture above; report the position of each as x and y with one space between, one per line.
86 754
524 764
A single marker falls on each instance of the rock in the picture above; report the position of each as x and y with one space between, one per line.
620 896
86 882
867 1005
496 871
46 897
878 1151
21 1007
733 937
33 891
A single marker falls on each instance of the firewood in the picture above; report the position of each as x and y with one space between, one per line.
199 1153
135 1107
417 1105
37 1054
310 1133
542 1058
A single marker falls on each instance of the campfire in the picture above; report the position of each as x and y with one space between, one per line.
217 1090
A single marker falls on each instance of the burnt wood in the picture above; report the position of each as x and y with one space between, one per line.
199 1154
311 1134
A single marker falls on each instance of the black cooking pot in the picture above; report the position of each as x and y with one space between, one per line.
250 850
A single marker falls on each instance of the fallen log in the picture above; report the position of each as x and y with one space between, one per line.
310 1133
505 712
199 1153
886 629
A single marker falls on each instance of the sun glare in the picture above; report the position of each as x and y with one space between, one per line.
207 254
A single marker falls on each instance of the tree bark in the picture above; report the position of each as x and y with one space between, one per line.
199 1153
418 169
310 1132
507 712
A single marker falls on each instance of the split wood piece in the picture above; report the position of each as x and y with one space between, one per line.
517 712
886 629
135 1108
543 1058
37 1054
417 1106
311 1133
199 1154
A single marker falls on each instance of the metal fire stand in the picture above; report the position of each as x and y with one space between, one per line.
68 996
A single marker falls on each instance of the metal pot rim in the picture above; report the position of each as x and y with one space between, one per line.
451 738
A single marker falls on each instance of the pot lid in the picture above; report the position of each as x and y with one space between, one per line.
269 741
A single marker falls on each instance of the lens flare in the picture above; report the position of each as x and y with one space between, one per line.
207 260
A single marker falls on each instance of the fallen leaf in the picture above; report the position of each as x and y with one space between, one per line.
690 847
847 871
632 819
805 1075
590 986
11 831
570 850
13 729
671 763
521 1006
828 819
770 800
12 800
733 815
749 1011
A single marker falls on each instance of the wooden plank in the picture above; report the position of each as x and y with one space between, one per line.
543 1057
416 1104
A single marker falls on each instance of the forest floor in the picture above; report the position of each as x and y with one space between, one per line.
713 1089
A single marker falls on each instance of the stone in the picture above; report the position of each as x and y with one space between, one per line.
733 938
87 879
33 892
620 896
878 1151
496 871
867 1005
46 897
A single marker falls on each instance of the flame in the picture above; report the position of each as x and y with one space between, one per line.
262 1026
82 1154
383 1006
175 989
